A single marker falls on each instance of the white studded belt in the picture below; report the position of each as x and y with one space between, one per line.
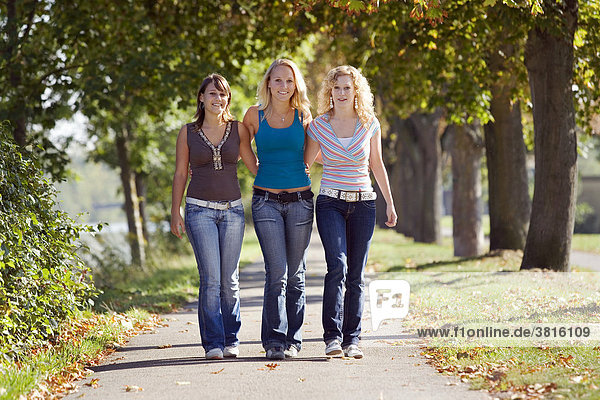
348 196
215 205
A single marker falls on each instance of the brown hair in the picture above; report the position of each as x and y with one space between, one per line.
222 85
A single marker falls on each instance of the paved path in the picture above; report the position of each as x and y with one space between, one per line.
586 260
388 371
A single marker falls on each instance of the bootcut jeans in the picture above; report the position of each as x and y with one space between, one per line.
216 237
283 231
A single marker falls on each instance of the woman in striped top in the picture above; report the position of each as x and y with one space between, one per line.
349 137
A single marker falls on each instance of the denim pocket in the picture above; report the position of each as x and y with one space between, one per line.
369 204
308 204
325 199
257 202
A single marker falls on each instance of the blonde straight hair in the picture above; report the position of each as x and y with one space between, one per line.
299 99
364 97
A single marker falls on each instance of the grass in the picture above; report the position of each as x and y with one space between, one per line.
169 285
489 291
83 340
586 242
121 310
581 242
393 252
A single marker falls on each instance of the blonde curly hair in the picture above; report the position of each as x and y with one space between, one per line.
299 99
365 110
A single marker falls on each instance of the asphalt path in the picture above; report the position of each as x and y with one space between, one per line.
169 363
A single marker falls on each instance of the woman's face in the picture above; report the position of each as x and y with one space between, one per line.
282 83
215 101
343 92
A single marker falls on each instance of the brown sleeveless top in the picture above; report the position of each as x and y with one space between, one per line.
214 168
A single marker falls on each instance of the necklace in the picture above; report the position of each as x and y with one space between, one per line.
284 115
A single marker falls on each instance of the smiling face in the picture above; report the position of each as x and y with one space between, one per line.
343 92
215 101
282 83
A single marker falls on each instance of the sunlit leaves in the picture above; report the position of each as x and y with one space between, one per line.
42 279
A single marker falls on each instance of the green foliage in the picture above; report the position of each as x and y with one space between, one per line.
42 280
585 218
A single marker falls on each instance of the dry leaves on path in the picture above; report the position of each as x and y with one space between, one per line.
133 388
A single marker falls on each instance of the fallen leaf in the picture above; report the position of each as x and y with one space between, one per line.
271 366
131 388
164 346
218 372
301 379
93 383
183 383
576 379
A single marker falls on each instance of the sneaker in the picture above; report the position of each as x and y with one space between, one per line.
334 348
275 353
214 354
291 351
353 351
231 351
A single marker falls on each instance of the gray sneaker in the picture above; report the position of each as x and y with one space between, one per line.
352 351
291 351
231 351
333 348
275 353
214 354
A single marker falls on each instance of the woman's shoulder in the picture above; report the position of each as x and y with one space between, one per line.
321 119
252 110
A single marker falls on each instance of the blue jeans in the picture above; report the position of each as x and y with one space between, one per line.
283 231
346 230
216 237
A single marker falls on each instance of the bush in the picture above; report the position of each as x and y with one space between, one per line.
42 280
585 219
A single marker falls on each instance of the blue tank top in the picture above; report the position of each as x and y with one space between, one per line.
280 155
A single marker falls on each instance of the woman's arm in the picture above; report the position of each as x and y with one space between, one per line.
248 156
311 150
378 168
182 158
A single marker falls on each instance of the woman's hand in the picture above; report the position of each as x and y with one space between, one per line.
392 218
177 225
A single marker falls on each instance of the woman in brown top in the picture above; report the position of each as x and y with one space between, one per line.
214 216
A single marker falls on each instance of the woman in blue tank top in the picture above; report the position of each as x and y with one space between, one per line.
282 205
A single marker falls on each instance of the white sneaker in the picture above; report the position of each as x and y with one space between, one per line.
214 354
353 351
231 351
333 348
291 351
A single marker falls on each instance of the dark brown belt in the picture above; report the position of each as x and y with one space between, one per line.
285 197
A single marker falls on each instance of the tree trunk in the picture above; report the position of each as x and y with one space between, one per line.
549 62
426 131
132 211
509 203
141 189
415 175
467 208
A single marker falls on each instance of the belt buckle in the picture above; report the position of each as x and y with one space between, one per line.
352 196
281 197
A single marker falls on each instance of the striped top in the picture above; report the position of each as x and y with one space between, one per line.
344 168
